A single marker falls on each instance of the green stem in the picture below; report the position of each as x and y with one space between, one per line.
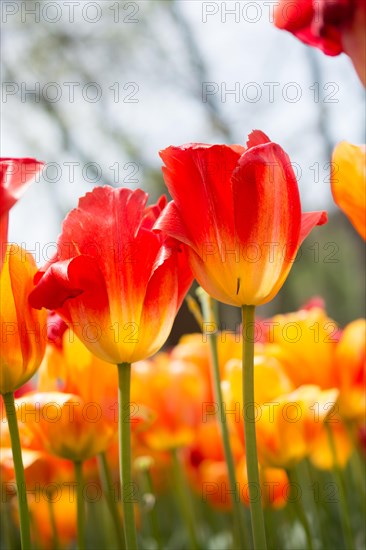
124 432
184 501
80 505
55 541
297 504
153 516
239 526
256 511
19 470
318 511
6 526
344 514
357 464
107 484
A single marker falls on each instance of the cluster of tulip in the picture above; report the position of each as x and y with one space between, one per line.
219 426
119 293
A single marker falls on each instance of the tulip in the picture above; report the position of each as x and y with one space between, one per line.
15 176
288 426
68 366
296 338
322 456
22 328
194 348
23 345
270 381
119 285
348 180
69 427
206 467
173 391
115 282
242 233
350 370
246 226
273 485
333 26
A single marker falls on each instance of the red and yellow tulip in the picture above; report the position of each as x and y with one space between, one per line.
245 226
23 330
118 284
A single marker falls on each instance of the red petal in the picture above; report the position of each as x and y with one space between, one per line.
309 220
4 222
319 28
293 16
170 222
15 176
257 137
198 178
65 280
266 198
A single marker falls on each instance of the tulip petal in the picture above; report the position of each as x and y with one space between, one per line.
171 223
204 173
15 177
309 220
257 137
55 286
267 216
265 182
348 181
4 221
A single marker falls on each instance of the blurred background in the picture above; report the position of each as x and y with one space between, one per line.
95 89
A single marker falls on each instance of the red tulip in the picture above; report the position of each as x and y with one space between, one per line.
15 176
238 210
117 283
333 26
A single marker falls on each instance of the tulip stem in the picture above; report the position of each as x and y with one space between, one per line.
19 470
153 516
256 511
55 541
80 505
299 509
112 503
344 513
184 501
124 432
210 317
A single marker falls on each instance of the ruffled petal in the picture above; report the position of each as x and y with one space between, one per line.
309 220
15 176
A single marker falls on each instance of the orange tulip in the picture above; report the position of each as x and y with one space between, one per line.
244 227
71 368
350 370
270 381
195 348
322 454
299 338
274 485
348 180
173 391
23 337
206 466
288 426
63 506
68 426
